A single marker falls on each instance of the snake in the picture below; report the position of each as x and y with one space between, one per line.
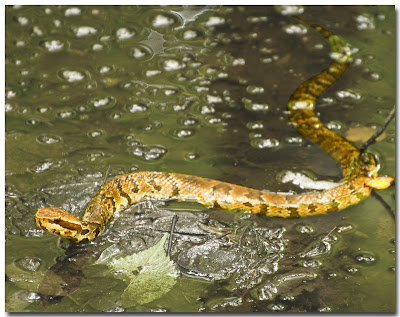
360 172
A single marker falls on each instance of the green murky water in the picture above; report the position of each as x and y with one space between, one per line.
92 92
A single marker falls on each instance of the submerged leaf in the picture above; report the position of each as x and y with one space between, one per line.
150 274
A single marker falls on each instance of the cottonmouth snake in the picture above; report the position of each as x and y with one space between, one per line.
360 171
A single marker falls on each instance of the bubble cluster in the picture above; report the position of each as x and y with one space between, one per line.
265 143
103 102
149 152
48 139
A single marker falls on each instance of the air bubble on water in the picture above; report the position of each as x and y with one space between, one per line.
136 107
37 31
72 11
207 109
239 62
255 135
348 95
294 140
48 139
367 258
254 19
33 121
325 309
82 31
290 9
105 69
265 143
190 35
213 99
95 133
169 92
53 45
151 73
125 33
10 94
72 75
191 156
8 107
305 229
162 21
351 269
276 307
255 125
214 20
172 64
141 52
295 29
97 47
254 89
66 114
190 121
23 20
365 22
115 115
183 133
106 102
372 76
334 125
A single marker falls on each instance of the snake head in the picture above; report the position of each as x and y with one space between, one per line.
64 224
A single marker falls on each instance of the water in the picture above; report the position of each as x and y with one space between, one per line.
93 92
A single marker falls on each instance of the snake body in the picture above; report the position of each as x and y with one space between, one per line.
359 168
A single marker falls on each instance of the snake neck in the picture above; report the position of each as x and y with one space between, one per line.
301 104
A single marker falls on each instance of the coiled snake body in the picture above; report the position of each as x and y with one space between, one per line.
359 173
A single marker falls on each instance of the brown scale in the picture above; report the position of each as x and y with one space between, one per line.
124 190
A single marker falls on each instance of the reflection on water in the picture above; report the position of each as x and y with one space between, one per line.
92 92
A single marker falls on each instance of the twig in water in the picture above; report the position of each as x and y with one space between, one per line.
384 203
373 138
174 220
107 173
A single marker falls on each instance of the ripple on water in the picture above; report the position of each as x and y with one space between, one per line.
45 165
